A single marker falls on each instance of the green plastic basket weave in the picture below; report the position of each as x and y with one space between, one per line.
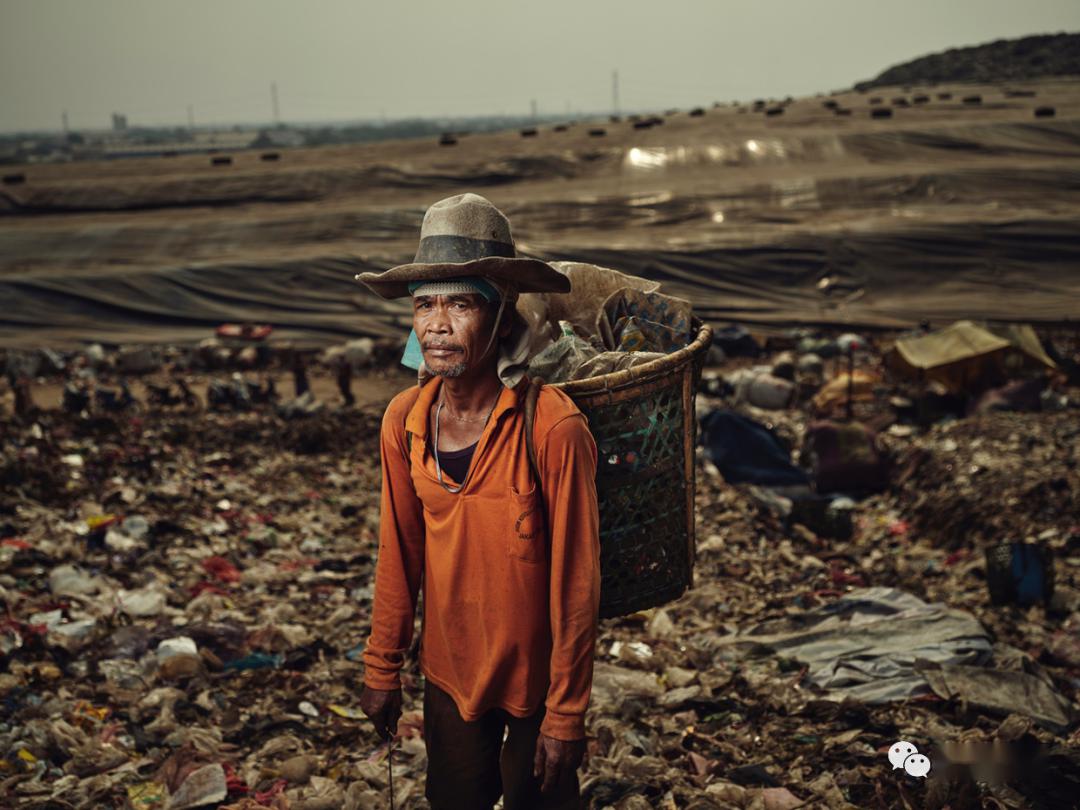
644 425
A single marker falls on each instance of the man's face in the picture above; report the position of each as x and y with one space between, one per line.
453 330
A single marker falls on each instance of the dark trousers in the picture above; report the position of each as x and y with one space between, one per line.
470 765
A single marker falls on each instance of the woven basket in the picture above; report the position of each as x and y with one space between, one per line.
643 422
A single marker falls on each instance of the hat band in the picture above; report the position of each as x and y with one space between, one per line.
455 286
457 249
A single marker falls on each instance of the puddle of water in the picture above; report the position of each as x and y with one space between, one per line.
800 192
651 199
735 153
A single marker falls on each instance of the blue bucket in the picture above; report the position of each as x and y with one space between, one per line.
1019 574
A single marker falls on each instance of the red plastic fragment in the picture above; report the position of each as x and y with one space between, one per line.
221 569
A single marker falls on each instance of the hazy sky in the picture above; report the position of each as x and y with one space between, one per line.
349 59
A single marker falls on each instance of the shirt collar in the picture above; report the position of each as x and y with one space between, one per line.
416 422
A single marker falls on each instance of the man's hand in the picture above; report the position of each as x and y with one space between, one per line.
556 760
383 707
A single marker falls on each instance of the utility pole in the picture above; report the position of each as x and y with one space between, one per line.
533 104
64 121
615 92
273 98
191 117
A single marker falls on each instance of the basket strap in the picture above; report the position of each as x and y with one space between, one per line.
531 396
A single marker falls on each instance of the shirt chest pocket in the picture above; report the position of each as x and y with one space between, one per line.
526 540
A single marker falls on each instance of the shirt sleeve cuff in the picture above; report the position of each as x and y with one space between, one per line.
566 727
385 681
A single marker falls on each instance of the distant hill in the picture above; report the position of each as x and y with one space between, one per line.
1002 60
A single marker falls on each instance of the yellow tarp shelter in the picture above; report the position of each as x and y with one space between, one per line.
1026 342
964 356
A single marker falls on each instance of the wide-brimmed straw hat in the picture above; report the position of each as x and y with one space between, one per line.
466 235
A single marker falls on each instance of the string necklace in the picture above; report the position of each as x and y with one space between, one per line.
438 467
465 418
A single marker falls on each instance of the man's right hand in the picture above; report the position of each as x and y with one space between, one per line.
383 707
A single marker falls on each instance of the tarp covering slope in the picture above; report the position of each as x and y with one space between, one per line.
940 213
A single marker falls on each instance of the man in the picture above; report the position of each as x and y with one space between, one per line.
510 565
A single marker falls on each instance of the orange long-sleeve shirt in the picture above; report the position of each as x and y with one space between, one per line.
511 584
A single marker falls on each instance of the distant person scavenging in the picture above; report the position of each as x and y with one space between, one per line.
510 566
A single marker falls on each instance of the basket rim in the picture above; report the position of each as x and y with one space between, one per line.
659 367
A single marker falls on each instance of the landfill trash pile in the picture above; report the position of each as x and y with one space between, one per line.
187 591
176 584
1029 460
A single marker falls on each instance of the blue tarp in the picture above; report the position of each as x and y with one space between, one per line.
746 451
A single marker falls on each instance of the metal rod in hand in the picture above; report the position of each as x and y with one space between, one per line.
390 764
850 377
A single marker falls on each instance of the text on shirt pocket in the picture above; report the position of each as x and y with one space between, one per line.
526 539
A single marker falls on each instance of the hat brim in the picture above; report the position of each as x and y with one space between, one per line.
527 275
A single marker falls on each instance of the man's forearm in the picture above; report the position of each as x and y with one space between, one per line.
398 569
393 615
570 472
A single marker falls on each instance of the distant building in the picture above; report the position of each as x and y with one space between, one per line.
286 137
119 122
278 137
201 142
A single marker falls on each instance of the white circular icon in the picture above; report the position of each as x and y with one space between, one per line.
917 765
899 752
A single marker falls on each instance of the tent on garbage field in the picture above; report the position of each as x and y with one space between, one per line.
963 356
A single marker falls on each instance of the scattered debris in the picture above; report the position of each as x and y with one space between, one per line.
186 588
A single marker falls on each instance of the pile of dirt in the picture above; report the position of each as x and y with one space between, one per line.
1030 461
1002 60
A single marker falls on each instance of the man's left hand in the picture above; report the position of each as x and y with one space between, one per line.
556 760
